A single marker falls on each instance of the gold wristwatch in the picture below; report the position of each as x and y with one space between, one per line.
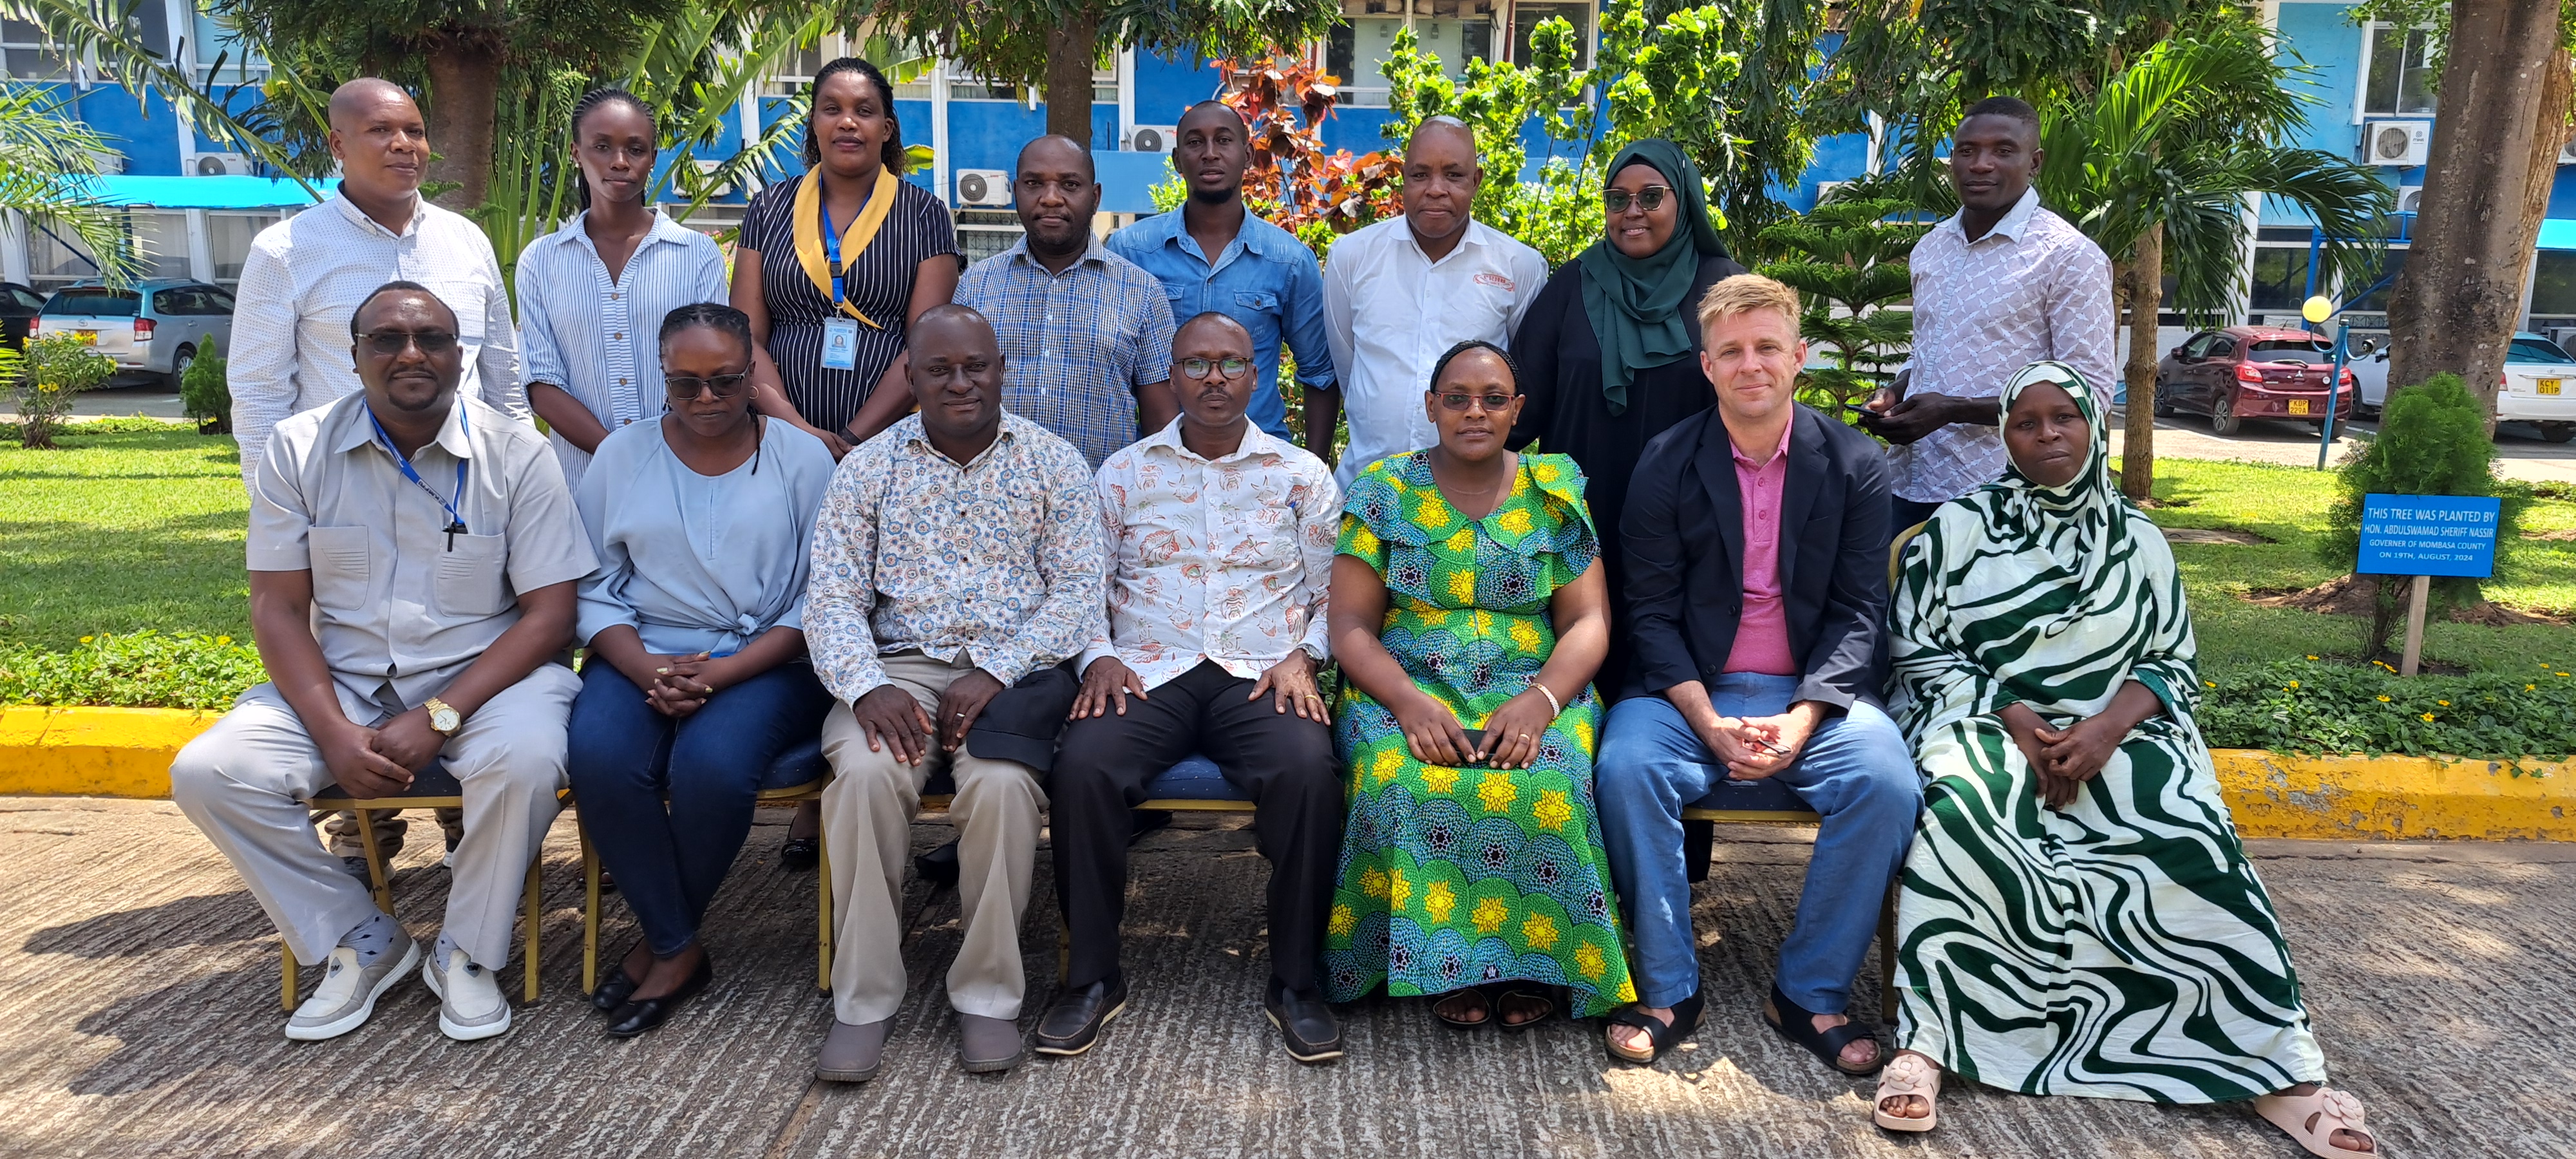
443 717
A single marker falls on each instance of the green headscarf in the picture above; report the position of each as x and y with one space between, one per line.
1636 304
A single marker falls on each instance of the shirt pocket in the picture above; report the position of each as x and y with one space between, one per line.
468 578
343 563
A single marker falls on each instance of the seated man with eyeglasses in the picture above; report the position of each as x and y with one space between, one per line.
1220 545
412 555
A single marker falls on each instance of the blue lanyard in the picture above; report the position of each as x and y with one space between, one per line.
455 521
831 250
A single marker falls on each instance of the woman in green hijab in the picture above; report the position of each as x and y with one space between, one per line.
1608 353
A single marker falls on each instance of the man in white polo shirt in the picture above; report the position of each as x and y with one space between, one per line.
1400 292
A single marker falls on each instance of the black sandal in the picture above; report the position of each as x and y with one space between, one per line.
1799 1026
1460 1023
1661 1036
1537 994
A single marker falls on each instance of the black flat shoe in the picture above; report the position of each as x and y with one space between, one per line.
640 1015
1072 1025
1661 1036
801 853
613 990
939 867
1798 1025
1307 1025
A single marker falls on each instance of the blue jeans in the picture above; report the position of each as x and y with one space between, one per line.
1855 771
626 760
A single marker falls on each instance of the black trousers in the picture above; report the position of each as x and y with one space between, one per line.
1284 762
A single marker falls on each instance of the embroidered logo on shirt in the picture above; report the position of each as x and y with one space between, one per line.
1498 281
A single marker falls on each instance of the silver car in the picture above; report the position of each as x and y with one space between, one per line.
2537 386
154 327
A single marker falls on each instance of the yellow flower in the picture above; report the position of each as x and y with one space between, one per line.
2383 700
1489 914
2443 703
1462 586
2531 688
2294 684
2562 674
1539 932
1432 617
1588 960
1398 890
2209 683
1439 778
223 639
1464 541
1373 882
1552 809
2428 716
1524 636
2311 657
87 639
1342 922
1545 472
1432 513
1387 762
1516 521
1438 900
1364 542
1497 792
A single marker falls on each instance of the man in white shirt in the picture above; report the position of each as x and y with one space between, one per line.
1220 544
2002 284
1399 293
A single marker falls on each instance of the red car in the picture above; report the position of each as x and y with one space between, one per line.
2252 372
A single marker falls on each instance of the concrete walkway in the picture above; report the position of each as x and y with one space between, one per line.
2520 453
139 987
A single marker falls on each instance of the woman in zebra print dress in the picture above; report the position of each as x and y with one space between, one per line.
2078 916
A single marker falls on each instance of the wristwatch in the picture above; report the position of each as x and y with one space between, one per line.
443 717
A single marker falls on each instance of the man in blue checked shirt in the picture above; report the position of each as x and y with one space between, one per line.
1086 339
1262 276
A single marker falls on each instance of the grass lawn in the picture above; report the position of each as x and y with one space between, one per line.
119 533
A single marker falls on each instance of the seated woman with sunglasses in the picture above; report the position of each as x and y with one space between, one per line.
1468 614
697 676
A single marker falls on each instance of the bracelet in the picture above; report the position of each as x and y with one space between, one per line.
1555 709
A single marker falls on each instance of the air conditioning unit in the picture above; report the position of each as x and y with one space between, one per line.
223 165
2562 335
983 187
2396 142
1153 138
1825 190
2410 199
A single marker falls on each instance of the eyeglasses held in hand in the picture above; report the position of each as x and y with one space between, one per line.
1650 198
1491 402
1231 368
391 342
682 388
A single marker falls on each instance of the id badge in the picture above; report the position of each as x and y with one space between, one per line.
840 344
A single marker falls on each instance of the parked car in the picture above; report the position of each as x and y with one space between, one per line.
18 308
2370 376
2252 372
2538 386
154 327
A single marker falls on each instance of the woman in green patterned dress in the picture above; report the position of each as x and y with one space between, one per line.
2078 916
1468 614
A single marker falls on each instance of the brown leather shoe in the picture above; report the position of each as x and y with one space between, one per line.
988 1045
852 1053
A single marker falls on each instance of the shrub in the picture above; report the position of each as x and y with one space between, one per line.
2432 441
204 392
2320 707
51 372
137 670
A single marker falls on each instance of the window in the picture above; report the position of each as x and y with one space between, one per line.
29 55
2220 346
981 233
55 256
2397 81
2553 283
1527 17
160 241
2376 301
94 302
2313 351
228 238
212 42
2280 270
26 299
2198 347
2534 350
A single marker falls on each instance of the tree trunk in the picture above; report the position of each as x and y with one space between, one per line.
1072 47
464 90
2504 76
2144 291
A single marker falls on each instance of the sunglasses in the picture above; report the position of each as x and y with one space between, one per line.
1650 198
682 388
1199 368
388 343
1491 402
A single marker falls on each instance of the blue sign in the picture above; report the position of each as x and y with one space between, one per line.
2443 535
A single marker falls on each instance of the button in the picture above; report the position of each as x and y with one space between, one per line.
614 295
619 336
621 382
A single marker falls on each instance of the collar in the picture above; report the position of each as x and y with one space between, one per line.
1256 236
358 431
1477 234
916 438
1777 453
665 229
1255 442
350 212
1093 254
2014 226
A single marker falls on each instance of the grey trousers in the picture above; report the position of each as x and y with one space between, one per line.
244 783
867 827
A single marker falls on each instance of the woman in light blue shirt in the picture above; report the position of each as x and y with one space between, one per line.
697 677
592 292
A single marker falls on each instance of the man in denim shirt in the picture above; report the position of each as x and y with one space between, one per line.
1263 277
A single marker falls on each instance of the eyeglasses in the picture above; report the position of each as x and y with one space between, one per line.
1650 198
1491 402
389 343
1231 368
682 388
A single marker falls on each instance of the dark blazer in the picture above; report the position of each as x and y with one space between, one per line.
1684 532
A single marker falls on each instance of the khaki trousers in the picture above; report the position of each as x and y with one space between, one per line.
867 825
244 783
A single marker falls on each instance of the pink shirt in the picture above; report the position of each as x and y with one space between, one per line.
1762 634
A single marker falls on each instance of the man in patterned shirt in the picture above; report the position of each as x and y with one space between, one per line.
956 553
1221 545
1088 335
2001 285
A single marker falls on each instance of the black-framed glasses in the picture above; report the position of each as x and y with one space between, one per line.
1198 369
1650 198
389 343
683 388
1459 402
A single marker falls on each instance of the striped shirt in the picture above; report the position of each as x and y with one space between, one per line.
878 282
597 337
1075 345
306 275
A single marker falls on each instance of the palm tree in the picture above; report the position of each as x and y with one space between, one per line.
2161 159
44 155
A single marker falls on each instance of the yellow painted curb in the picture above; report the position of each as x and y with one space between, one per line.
126 752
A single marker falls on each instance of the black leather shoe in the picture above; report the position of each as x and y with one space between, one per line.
1072 1025
613 990
939 867
801 853
1312 1033
640 1015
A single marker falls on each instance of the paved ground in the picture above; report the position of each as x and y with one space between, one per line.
138 984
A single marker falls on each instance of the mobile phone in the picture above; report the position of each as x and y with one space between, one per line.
1475 741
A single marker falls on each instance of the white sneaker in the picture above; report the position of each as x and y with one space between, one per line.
348 993
470 1005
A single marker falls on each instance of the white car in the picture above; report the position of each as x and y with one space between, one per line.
2538 386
